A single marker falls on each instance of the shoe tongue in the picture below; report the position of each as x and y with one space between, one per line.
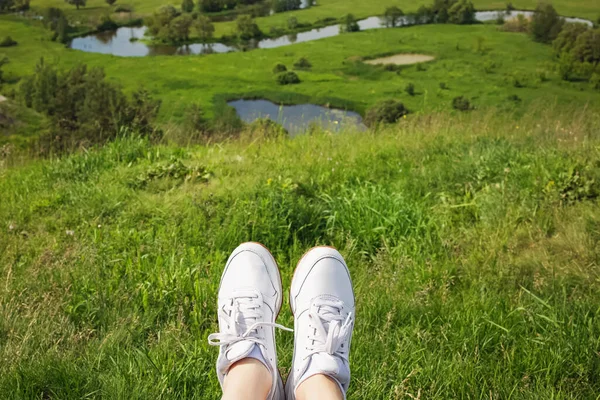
239 350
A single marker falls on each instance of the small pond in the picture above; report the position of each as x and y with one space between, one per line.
125 42
298 118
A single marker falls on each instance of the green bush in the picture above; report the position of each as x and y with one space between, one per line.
292 23
266 128
385 112
247 29
461 103
595 81
8 42
288 78
302 63
349 24
462 12
106 24
410 89
444 86
545 23
278 68
392 16
285 5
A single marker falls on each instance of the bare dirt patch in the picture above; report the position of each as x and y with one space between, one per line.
401 59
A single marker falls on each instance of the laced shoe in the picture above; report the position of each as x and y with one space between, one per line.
322 301
249 300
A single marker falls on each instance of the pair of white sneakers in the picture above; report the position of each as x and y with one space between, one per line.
321 299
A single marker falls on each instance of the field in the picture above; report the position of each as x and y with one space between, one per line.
472 241
325 9
476 61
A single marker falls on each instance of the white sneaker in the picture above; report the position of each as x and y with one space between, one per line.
250 298
322 302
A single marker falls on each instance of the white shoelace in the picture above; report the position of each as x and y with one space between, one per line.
329 340
237 314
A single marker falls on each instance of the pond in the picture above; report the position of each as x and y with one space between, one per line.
298 118
125 42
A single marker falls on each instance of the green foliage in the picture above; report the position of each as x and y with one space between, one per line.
123 8
462 12
392 16
349 24
55 20
444 86
288 78
187 6
461 103
595 80
510 7
8 42
195 119
587 47
13 5
265 128
285 5
83 106
279 67
566 65
247 29
77 3
424 15
106 24
385 112
546 24
565 41
169 26
410 89
216 5
174 172
500 20
3 61
204 27
302 63
518 25
292 23
110 2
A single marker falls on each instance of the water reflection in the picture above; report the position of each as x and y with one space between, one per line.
122 42
298 118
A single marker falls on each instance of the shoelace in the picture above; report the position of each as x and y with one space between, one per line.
237 314
332 340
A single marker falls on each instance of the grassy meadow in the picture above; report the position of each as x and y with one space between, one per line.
472 241
323 9
475 61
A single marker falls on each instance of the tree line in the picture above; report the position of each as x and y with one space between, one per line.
83 107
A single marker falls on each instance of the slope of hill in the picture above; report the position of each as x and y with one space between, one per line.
472 240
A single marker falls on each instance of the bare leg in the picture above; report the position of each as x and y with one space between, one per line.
319 387
247 379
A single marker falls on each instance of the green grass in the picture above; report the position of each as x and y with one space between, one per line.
334 79
472 241
326 8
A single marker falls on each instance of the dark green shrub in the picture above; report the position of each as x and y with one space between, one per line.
545 23
461 103
8 42
410 89
421 67
500 18
510 7
392 67
278 68
292 23
195 120
286 5
187 6
288 78
349 24
302 63
462 12
247 28
565 41
392 16
443 86
106 24
514 98
386 112
595 81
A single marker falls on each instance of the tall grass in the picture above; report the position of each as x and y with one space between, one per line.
472 241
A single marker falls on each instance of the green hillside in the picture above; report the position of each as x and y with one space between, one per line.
472 240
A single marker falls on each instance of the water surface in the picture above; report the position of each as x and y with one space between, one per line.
298 118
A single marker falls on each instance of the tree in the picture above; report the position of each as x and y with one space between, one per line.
462 12
187 6
587 47
110 2
292 23
545 23
76 3
204 27
424 15
410 89
247 28
179 28
158 23
349 24
286 5
392 16
565 41
441 10
385 112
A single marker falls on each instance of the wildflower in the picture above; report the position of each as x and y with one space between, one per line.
11 227
404 116
99 226
506 170
70 232
269 181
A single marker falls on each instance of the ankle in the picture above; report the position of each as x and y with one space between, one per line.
248 375
321 387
